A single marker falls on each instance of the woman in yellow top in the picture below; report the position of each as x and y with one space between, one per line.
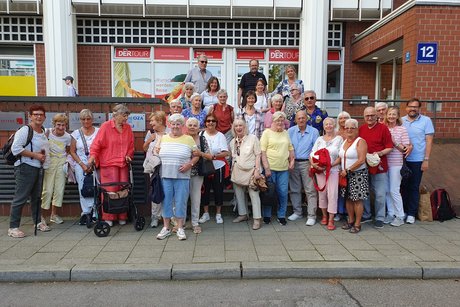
277 160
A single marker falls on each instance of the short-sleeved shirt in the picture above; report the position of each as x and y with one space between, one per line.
277 146
399 136
79 143
58 145
208 100
303 141
175 152
199 80
217 143
284 88
39 142
377 138
418 130
187 113
249 81
316 118
225 117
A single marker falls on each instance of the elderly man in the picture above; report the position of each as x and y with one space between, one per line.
378 139
303 138
315 115
381 108
249 80
420 130
199 76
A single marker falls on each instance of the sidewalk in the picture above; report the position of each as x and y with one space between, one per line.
73 252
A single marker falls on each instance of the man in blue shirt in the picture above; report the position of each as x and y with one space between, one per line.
315 116
421 131
303 138
199 76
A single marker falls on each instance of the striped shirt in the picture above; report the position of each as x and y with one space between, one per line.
175 152
399 136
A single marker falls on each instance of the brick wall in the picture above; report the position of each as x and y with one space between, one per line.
94 71
41 69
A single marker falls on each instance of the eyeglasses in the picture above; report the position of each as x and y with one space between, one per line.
204 62
310 98
38 114
349 128
371 115
211 121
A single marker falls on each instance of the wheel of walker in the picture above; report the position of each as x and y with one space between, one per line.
101 229
140 223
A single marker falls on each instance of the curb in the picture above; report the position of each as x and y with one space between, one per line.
440 270
39 273
206 271
102 272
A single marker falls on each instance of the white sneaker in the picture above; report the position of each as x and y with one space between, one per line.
204 218
219 219
56 219
294 217
181 234
164 233
310 221
388 219
397 222
154 222
337 217
110 223
122 222
410 219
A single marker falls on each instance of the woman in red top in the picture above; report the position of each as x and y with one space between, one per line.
224 113
113 150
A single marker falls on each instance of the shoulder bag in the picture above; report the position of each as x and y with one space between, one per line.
205 167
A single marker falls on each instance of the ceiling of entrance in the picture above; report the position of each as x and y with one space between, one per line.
385 54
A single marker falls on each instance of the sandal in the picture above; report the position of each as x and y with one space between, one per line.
355 229
196 229
331 225
324 220
43 227
16 233
347 226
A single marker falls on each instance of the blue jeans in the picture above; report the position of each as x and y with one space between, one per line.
378 184
410 188
281 181
176 193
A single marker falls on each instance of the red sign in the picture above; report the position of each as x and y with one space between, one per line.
284 55
333 55
250 54
138 53
171 53
211 54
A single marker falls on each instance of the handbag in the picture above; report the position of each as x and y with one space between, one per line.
269 197
259 184
241 176
405 171
87 190
343 182
205 167
158 194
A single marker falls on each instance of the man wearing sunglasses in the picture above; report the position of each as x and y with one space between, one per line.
199 76
315 115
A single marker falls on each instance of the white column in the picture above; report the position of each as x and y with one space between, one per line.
313 45
59 33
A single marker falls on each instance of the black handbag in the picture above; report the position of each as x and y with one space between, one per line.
87 190
158 194
205 167
269 197
405 171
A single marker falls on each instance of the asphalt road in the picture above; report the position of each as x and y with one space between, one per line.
276 292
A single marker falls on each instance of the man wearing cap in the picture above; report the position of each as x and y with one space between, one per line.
249 80
378 139
71 90
199 76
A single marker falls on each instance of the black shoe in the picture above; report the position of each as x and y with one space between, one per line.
82 220
282 221
366 220
267 220
378 224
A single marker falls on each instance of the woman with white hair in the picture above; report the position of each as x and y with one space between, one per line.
245 149
277 159
341 118
277 105
112 151
186 96
195 111
175 151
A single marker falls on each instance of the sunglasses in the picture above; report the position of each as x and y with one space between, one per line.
204 62
310 98
211 121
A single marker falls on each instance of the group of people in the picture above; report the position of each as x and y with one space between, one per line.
282 137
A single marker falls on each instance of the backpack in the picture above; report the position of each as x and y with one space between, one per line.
10 159
441 206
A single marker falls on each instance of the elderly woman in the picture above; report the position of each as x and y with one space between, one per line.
27 170
341 118
293 103
277 159
175 150
245 149
80 153
158 123
327 198
219 150
209 96
224 113
251 115
277 105
55 179
112 150
186 96
195 111
284 87
353 163
401 141
196 181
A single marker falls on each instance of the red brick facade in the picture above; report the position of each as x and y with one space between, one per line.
94 71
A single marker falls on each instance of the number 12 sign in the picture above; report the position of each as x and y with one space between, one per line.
427 53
